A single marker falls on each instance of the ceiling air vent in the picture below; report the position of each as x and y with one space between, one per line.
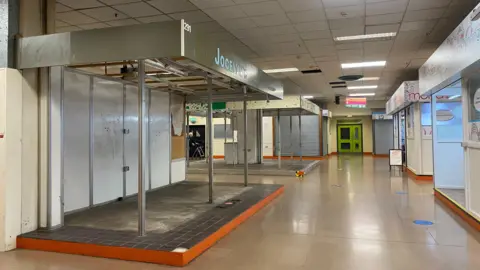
311 71
339 86
337 83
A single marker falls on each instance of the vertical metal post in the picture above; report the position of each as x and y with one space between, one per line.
279 151
225 125
300 134
142 145
245 137
260 136
210 141
187 140
291 138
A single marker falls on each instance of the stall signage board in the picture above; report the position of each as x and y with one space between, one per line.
395 157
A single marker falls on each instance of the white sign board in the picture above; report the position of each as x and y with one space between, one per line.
395 157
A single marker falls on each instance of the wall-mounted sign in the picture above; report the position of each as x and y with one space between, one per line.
381 116
325 113
357 102
231 65
444 115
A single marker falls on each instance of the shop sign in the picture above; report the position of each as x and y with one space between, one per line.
230 65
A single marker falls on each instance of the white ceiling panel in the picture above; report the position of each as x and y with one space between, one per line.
300 5
384 19
348 31
425 26
203 4
384 28
346 23
59 23
67 29
116 2
261 8
342 3
123 22
77 4
94 26
75 18
61 8
225 13
139 9
419 15
271 20
173 6
345 12
294 37
312 26
427 4
349 45
307 16
326 58
397 6
104 14
192 17
237 24
152 19
316 34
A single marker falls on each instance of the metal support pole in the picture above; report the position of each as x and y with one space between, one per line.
142 145
279 151
225 125
300 134
245 137
210 141
187 140
260 136
291 138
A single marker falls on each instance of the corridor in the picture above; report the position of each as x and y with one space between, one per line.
350 213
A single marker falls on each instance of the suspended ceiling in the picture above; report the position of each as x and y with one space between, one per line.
296 33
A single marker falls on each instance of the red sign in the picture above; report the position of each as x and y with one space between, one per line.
356 102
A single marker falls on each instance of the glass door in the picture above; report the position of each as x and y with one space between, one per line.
349 138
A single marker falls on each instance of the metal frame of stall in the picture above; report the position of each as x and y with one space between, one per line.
290 106
167 56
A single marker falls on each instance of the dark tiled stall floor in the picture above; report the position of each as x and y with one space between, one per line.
187 200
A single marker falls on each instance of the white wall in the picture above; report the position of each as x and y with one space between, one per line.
268 136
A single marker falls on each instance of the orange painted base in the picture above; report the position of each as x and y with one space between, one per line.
418 177
472 221
296 158
364 153
380 155
142 255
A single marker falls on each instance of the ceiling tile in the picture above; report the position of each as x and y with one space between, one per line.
345 12
349 45
208 27
60 24
152 19
285 38
247 1
398 6
94 26
173 6
116 2
300 5
317 51
123 22
262 8
319 42
236 24
278 30
61 8
346 23
311 26
316 34
67 29
140 9
75 18
326 58
426 26
104 14
419 15
191 17
384 28
353 31
76 4
427 4
212 3
271 20
342 3
307 16
225 13
384 19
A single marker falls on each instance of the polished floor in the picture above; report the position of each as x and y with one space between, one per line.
458 195
350 213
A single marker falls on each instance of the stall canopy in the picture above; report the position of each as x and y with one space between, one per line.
289 106
177 57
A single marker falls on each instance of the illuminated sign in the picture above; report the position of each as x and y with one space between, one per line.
230 65
356 102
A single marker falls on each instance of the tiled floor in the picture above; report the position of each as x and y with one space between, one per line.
349 214
269 167
458 195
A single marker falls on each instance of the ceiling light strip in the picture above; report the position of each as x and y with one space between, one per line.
280 70
368 36
362 95
364 64
363 87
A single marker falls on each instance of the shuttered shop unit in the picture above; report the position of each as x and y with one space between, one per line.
291 141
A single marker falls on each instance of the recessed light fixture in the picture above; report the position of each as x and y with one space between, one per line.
307 97
369 36
364 64
362 95
363 87
280 70
369 79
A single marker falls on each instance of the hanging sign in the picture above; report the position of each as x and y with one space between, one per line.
395 157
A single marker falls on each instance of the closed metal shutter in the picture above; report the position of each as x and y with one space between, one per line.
291 140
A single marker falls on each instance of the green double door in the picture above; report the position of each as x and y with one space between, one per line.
349 138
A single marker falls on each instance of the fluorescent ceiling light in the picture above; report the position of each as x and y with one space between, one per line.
308 97
365 64
369 79
280 70
363 87
454 97
369 36
362 95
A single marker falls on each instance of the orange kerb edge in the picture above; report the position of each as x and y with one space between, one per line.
142 255
472 221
